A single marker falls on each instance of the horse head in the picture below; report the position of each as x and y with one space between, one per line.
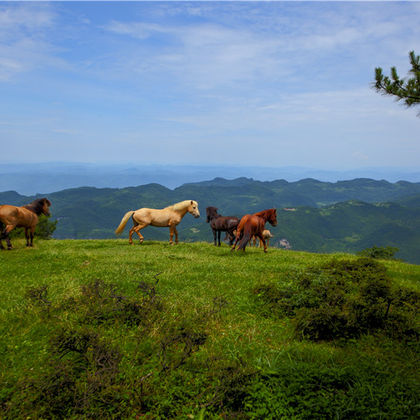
45 206
193 209
272 217
211 213
40 206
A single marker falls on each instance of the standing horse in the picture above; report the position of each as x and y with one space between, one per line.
253 224
220 224
25 216
168 217
267 236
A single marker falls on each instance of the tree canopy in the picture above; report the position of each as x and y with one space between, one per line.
407 90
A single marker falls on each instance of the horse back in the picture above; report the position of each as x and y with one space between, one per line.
252 223
17 216
224 223
156 217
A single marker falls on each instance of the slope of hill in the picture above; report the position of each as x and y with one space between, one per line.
102 329
349 226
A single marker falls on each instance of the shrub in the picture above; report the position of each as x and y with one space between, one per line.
343 299
379 252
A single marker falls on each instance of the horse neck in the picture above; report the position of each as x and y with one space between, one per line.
181 210
263 214
214 216
34 209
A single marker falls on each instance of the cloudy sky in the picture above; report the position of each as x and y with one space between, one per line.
241 83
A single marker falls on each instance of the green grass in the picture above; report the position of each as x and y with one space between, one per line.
248 365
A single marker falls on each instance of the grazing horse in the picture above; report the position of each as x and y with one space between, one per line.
25 216
267 236
253 224
220 224
168 217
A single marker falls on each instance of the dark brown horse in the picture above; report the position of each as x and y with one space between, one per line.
25 216
253 224
219 224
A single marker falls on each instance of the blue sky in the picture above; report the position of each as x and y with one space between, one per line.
232 83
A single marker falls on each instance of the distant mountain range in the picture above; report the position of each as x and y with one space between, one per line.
29 179
315 216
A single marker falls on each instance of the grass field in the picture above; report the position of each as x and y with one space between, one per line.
99 328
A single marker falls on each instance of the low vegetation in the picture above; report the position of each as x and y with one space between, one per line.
98 328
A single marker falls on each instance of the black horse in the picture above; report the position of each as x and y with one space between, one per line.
220 224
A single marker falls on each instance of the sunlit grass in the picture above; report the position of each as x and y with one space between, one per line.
190 278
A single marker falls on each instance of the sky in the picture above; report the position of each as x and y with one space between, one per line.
206 83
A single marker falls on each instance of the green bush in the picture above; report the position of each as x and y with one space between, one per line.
44 229
379 252
343 299
308 390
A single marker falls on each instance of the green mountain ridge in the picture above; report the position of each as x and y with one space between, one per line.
344 216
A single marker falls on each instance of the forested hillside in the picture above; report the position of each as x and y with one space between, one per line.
313 215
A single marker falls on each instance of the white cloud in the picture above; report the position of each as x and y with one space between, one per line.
23 44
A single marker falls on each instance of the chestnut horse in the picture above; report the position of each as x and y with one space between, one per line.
25 216
219 224
168 217
253 224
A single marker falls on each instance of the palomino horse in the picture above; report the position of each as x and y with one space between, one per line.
26 217
267 236
168 217
220 224
253 224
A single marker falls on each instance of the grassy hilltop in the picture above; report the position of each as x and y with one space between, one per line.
99 328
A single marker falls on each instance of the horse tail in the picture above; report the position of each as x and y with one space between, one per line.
123 222
246 236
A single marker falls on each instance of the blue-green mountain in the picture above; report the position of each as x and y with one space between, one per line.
313 215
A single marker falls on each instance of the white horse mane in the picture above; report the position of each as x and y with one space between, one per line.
181 205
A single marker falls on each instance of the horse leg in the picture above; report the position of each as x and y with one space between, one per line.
176 235
262 240
171 234
214 236
27 236
3 228
219 232
238 236
130 234
32 232
5 235
231 236
137 229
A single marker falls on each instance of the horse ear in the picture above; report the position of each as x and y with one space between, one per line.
192 202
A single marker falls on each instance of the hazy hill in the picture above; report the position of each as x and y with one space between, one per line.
29 179
349 220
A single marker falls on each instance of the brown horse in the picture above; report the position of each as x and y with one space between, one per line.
25 216
253 224
219 224
170 217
